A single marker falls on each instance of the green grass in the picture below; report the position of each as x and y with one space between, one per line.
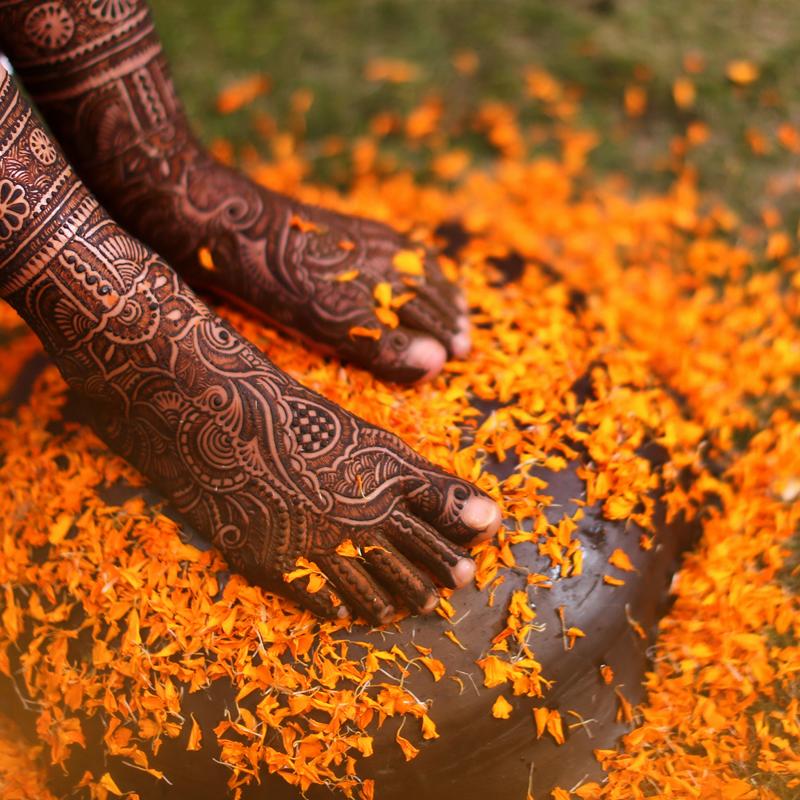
596 44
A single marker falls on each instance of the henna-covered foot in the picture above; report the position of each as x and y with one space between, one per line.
271 472
98 74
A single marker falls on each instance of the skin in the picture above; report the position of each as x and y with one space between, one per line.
269 471
97 72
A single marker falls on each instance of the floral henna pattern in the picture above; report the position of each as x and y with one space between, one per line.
111 10
14 208
271 472
42 147
107 93
49 26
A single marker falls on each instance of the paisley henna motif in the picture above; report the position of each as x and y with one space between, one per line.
267 469
106 91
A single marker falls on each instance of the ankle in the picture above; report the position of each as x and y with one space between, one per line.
107 94
64 265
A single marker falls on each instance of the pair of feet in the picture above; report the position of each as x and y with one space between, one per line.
273 474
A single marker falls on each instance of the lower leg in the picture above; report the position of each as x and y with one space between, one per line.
97 71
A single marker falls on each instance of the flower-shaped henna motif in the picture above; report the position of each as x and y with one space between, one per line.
42 148
111 10
49 26
14 208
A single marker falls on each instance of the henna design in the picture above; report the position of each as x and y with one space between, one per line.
49 26
267 469
111 10
106 91
42 148
14 208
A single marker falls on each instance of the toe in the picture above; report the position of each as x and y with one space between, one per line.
400 354
407 583
361 593
459 510
449 328
420 543
437 321
461 343
463 572
427 355
482 515
320 603
433 601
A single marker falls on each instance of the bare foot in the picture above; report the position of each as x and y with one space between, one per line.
102 82
268 470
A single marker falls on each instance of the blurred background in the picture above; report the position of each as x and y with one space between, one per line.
715 82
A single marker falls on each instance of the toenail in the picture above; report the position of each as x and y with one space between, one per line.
463 572
482 515
461 344
431 603
342 612
386 615
427 354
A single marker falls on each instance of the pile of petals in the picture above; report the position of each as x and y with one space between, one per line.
684 322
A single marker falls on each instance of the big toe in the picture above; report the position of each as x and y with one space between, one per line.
427 355
455 508
402 354
483 516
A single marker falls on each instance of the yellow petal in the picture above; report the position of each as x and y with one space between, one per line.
383 294
364 333
502 708
409 262
621 560
195 736
409 751
108 783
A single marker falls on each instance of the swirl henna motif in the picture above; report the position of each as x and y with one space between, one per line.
268 470
106 91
